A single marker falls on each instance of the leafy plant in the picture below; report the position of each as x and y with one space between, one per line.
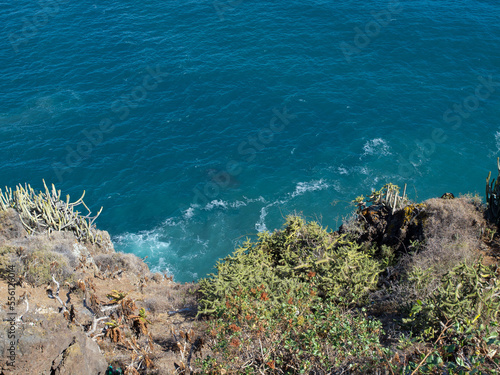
113 330
304 334
286 260
116 296
140 322
461 348
282 303
467 293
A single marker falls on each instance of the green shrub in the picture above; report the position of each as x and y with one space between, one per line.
304 334
467 293
286 260
40 266
36 267
281 302
461 348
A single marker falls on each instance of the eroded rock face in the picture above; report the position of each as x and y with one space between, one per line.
63 247
12 232
50 347
50 342
382 227
10 226
82 356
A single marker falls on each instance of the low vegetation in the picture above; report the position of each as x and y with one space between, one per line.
401 288
307 300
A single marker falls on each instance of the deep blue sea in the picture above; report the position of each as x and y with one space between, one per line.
198 123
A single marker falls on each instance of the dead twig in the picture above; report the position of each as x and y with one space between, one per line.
446 326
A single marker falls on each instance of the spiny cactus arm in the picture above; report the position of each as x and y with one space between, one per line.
27 227
56 193
47 192
302 266
89 212
488 187
46 210
5 202
79 201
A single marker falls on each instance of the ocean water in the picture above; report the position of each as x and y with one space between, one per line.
196 124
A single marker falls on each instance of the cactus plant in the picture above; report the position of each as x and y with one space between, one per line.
493 196
45 211
387 196
285 262
467 293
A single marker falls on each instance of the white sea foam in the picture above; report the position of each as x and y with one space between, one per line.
238 204
161 267
260 225
220 204
170 222
376 146
216 203
300 189
342 170
148 240
304 187
189 213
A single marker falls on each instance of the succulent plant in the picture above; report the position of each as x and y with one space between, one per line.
45 211
493 196
387 196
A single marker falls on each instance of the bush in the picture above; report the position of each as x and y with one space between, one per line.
302 335
451 235
466 294
282 302
35 266
461 348
285 261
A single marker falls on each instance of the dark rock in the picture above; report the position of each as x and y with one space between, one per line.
382 227
447 196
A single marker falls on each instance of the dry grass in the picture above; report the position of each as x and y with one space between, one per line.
352 225
172 297
452 234
110 263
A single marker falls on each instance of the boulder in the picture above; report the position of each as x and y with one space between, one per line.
50 347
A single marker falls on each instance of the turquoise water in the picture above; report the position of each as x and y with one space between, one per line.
196 124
